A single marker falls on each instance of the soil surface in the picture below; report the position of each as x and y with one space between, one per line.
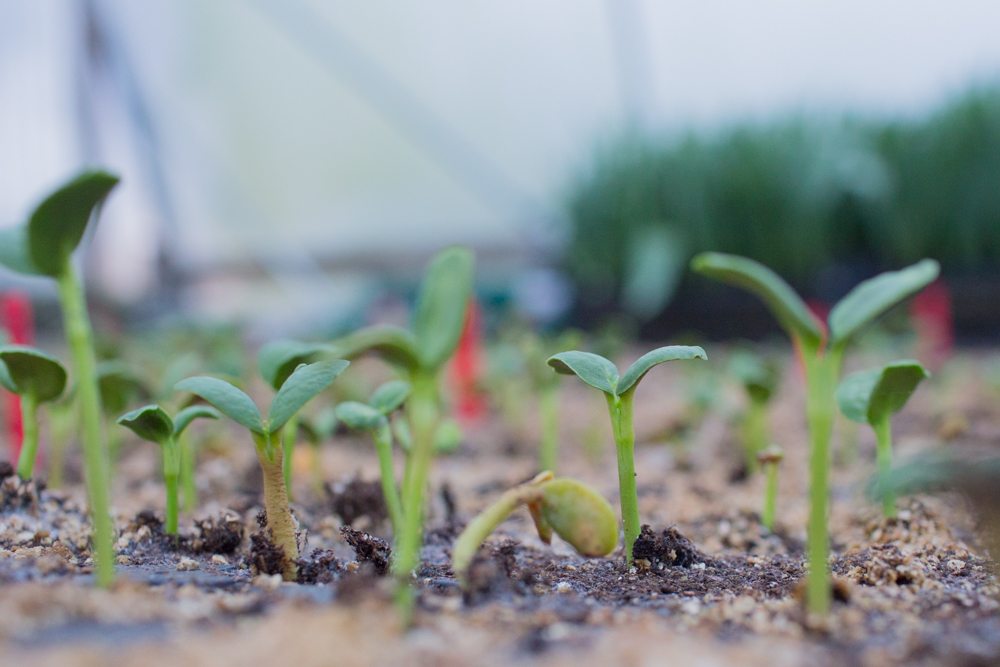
710 585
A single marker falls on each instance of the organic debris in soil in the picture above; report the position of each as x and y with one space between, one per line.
222 534
493 572
670 549
358 499
322 567
369 549
265 557
16 493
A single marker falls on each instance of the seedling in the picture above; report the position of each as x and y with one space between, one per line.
303 384
374 418
546 384
570 509
152 423
873 397
276 361
44 246
601 374
759 380
119 387
420 354
821 355
770 458
37 378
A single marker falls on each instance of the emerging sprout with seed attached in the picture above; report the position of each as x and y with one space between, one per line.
619 390
151 422
38 378
769 459
570 509
872 397
302 385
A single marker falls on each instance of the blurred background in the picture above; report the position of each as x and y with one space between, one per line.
286 165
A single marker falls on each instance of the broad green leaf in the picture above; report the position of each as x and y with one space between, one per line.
118 386
14 250
149 422
593 369
302 385
786 306
580 515
642 365
873 297
897 382
58 223
184 418
359 416
31 371
229 400
397 346
277 359
390 396
441 306
854 394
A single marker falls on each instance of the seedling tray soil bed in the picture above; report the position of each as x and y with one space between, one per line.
710 585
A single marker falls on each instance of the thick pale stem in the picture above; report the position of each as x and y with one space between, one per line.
620 408
289 434
189 489
79 339
821 377
422 411
883 440
29 440
383 448
485 523
280 523
770 495
548 408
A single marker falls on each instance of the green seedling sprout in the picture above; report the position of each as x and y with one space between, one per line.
447 436
769 459
307 381
276 361
570 509
821 355
38 378
546 385
619 390
420 354
152 423
759 380
44 246
374 417
119 387
873 397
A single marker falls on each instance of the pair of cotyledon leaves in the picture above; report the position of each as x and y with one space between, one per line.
863 304
601 374
385 399
29 371
43 245
151 422
871 396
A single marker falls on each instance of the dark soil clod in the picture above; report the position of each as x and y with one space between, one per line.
265 557
369 549
322 567
357 499
670 549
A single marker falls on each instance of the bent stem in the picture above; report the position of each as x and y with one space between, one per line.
280 523
620 408
383 448
79 339
422 411
883 440
821 378
548 407
485 523
29 440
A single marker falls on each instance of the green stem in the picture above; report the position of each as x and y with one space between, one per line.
883 439
383 448
60 427
821 378
476 532
422 411
548 408
620 408
770 495
29 440
189 489
79 339
755 435
171 472
289 434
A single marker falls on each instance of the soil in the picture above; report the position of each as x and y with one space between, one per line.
710 585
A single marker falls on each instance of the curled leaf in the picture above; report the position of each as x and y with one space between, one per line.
27 370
